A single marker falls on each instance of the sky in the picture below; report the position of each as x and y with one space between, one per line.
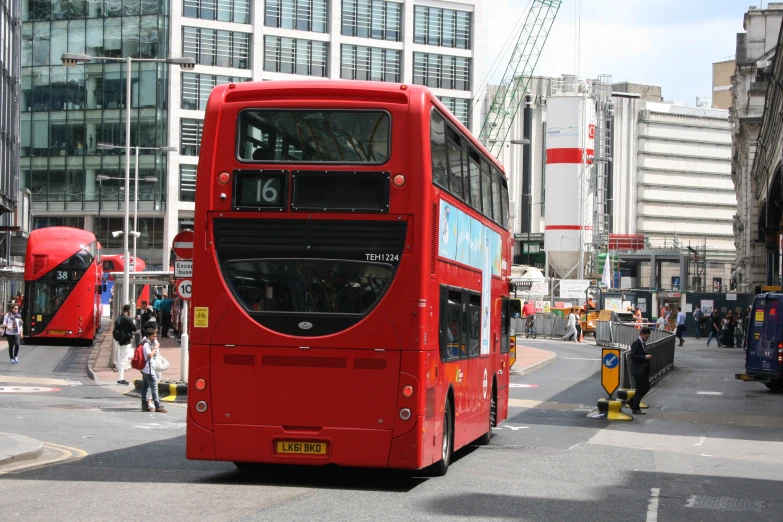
670 43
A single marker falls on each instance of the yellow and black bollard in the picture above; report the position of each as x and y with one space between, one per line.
609 409
626 396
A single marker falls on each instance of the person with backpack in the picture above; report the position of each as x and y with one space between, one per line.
144 360
12 330
124 328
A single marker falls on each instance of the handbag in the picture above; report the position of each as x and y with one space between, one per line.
161 364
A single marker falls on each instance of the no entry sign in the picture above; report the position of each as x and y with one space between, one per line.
183 244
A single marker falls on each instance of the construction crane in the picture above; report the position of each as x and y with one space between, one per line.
505 104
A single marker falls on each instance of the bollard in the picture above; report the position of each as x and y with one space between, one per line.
626 395
610 410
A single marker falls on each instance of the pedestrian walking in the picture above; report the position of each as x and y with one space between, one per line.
165 311
640 369
150 381
570 327
715 328
680 327
12 329
124 328
698 318
578 326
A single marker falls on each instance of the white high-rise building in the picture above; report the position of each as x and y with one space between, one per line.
431 43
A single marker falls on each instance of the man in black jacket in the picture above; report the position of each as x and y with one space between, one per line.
145 314
639 365
124 327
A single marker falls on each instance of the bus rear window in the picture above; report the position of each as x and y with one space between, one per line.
310 136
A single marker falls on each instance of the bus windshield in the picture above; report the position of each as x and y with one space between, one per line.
308 285
51 290
309 136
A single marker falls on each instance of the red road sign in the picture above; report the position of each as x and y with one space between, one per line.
183 244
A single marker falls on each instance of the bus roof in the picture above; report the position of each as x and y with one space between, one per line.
348 90
57 243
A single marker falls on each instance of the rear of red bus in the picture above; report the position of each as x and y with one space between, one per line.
62 284
312 334
116 263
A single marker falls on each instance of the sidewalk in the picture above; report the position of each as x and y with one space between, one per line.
14 448
99 365
531 359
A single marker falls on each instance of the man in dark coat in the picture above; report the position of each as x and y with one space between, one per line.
639 365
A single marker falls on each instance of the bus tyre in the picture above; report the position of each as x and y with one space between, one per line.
493 416
774 385
440 468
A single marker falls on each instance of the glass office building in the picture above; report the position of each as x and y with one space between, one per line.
67 111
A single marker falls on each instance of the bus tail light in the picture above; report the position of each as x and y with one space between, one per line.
201 406
201 384
405 414
398 180
780 354
224 178
407 392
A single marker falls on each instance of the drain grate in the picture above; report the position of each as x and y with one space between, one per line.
725 503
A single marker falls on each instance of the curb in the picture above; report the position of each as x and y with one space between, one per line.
170 391
24 448
93 358
533 367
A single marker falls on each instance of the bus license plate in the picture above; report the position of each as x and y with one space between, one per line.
56 332
301 448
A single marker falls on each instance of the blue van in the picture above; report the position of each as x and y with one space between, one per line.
764 342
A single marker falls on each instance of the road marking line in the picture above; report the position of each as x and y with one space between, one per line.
526 403
37 380
652 506
708 393
701 441
67 453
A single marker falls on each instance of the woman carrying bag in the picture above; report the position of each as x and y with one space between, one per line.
12 330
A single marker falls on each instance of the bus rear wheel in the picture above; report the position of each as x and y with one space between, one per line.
440 468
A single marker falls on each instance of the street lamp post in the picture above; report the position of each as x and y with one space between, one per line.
72 59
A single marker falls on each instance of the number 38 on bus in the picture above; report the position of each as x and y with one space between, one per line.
350 279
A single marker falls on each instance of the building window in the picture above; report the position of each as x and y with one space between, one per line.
441 71
459 107
218 48
441 27
237 11
187 183
370 63
302 15
295 56
372 19
190 136
197 87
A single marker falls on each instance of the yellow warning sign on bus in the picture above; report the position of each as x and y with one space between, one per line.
200 317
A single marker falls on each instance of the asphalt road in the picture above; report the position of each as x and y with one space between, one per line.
711 448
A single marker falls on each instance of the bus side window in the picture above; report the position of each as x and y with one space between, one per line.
452 340
474 324
504 325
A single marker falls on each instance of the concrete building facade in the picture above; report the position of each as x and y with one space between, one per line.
755 231
669 180
66 113
721 84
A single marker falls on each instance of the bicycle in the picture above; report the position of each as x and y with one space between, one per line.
530 331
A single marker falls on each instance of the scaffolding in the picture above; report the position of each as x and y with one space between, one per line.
599 179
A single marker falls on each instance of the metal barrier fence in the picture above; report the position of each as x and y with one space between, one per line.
547 326
660 345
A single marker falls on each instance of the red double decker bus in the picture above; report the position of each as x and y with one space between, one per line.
350 281
116 263
63 276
